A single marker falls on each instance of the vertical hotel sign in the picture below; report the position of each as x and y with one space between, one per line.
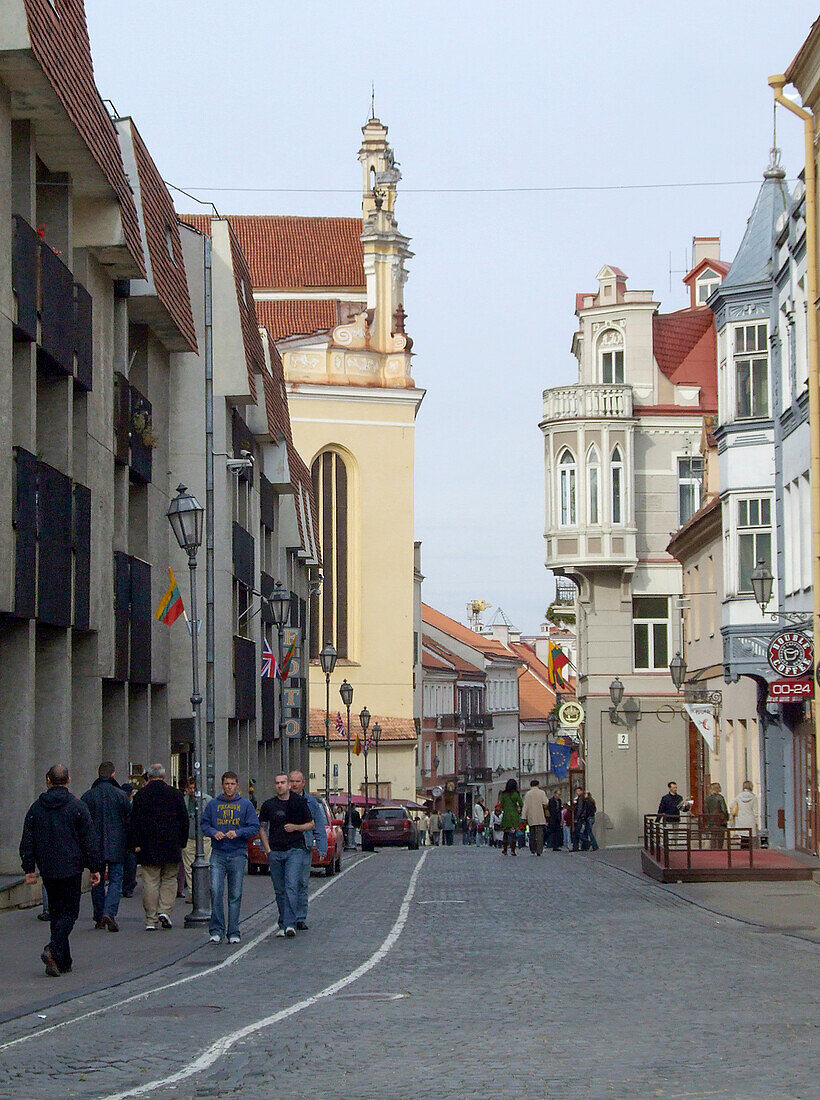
293 688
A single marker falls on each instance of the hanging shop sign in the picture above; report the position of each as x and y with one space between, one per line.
791 654
571 714
791 691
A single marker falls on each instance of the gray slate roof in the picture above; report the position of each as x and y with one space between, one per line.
752 264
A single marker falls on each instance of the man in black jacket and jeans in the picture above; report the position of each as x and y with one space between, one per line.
157 832
59 837
110 809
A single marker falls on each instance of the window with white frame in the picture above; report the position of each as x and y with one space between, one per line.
650 632
612 367
751 362
567 476
754 538
690 486
707 282
616 473
593 486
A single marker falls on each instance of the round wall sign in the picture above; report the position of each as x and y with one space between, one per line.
791 654
571 714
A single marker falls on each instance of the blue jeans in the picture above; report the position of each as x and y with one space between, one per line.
304 885
230 865
479 838
286 870
107 902
587 835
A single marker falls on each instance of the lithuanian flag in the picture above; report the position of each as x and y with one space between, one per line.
556 661
357 748
170 606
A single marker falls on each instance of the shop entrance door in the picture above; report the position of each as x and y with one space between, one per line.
805 789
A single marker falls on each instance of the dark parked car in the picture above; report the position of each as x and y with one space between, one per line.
389 825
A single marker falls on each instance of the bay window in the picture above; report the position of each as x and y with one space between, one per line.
754 538
751 361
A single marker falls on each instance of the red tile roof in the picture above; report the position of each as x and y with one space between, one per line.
160 219
291 253
488 646
448 659
297 318
61 46
685 347
393 729
719 266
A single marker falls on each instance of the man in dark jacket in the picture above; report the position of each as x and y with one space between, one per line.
671 804
59 838
157 832
110 809
578 818
555 812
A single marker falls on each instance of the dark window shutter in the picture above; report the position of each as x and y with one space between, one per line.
25 532
122 413
81 534
83 342
267 503
139 671
244 671
25 248
54 577
122 611
243 555
56 351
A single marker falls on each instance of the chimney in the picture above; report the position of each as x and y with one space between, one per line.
705 248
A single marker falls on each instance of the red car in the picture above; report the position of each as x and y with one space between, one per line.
332 862
389 825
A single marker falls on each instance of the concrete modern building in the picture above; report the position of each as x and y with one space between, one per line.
330 291
622 470
102 409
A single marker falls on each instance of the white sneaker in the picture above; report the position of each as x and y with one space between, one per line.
290 933
150 928
215 939
164 920
280 933
233 939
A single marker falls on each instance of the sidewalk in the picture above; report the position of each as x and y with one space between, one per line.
103 959
792 908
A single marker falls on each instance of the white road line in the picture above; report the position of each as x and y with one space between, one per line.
221 1047
234 958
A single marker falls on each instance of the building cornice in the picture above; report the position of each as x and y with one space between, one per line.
381 395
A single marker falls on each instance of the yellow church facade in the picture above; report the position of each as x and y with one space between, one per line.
330 291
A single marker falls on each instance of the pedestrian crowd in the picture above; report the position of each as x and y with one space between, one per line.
114 828
515 822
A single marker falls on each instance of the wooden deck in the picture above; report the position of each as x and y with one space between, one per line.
713 866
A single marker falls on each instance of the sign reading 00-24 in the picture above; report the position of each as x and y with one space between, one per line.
791 653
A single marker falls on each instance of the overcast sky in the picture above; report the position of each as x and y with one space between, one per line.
478 95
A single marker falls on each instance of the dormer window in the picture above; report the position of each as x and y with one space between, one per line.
707 282
611 352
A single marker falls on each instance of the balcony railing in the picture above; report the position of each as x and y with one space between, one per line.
587 402
464 721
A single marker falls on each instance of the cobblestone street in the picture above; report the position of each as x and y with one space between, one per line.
468 975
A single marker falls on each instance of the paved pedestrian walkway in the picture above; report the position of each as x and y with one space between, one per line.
101 959
789 907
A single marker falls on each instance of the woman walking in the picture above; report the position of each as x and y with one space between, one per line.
511 805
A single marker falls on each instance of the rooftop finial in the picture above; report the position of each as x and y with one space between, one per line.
775 170
372 99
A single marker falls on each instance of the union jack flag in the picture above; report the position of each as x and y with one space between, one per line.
340 726
269 667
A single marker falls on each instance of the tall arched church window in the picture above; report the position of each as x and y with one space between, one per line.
567 475
329 608
617 482
593 486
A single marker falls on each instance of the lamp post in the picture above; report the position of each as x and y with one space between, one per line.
327 659
185 515
364 718
346 692
377 732
280 609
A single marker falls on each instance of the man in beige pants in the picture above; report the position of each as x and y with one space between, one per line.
157 832
189 851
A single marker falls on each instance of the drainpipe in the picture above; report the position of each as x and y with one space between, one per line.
777 83
210 686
